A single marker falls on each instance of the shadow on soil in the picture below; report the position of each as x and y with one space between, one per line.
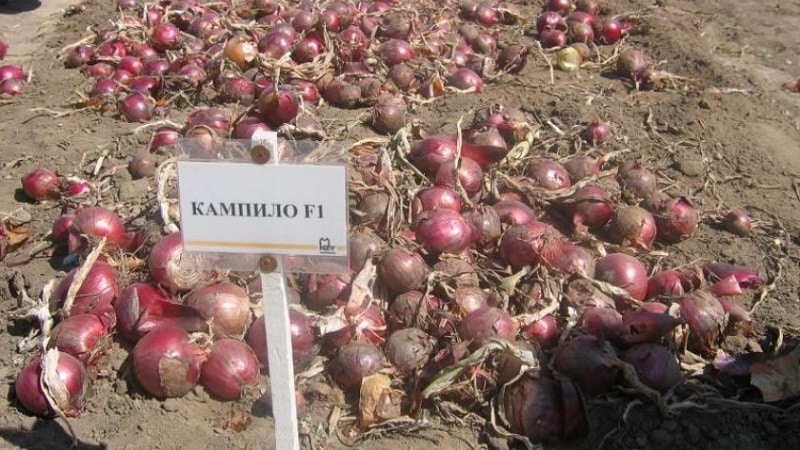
18 6
45 434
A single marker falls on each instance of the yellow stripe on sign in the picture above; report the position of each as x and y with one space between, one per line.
263 245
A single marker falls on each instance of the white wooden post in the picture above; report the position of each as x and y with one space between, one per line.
281 367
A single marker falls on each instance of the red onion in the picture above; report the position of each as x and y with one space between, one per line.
97 222
739 320
469 299
676 219
323 290
582 166
143 307
559 6
642 325
635 179
597 132
73 380
580 32
488 322
342 94
156 67
231 366
364 325
632 225
389 115
603 323
571 259
217 119
353 362
706 319
277 42
166 266
623 271
303 337
543 409
512 58
608 31
551 38
95 294
586 359
60 231
521 244
591 207
41 184
470 175
746 277
363 245
485 226
667 283
238 90
738 223
11 72
83 336
136 107
726 286
548 173
543 332
307 49
632 64
248 126
225 305
11 87
395 51
142 166
413 309
513 212
305 89
98 70
588 6
435 197
165 36
75 187
145 85
655 366
401 270
163 137
166 362
550 20
464 79
279 106
442 231
409 349
3 49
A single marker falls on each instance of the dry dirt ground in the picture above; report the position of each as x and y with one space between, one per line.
730 139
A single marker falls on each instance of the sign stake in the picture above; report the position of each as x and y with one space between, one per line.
279 344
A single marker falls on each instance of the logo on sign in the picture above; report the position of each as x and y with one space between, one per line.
325 246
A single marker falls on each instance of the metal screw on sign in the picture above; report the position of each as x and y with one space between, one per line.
260 154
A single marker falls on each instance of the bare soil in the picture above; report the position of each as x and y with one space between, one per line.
728 138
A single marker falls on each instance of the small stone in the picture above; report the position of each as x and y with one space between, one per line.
690 167
770 428
171 405
641 440
121 387
704 104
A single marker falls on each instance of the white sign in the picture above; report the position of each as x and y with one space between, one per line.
242 207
